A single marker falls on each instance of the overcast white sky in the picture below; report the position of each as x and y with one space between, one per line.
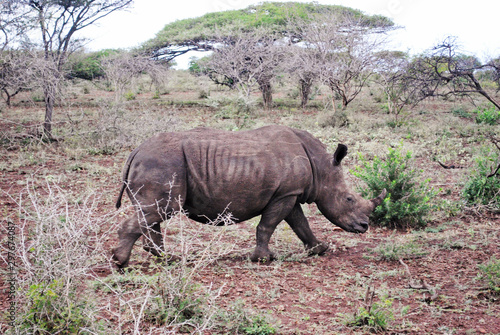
424 22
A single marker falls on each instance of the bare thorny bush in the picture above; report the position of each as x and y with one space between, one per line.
124 70
66 282
115 126
59 245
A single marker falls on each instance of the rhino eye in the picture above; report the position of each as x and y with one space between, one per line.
350 199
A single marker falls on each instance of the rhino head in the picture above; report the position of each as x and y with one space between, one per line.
337 202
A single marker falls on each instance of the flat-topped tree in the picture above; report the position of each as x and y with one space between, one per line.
250 44
203 32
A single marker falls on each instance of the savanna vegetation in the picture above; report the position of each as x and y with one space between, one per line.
425 127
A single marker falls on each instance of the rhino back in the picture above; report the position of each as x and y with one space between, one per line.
242 172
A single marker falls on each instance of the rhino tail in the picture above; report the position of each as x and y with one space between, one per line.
126 171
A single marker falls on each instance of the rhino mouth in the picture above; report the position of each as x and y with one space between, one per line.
360 227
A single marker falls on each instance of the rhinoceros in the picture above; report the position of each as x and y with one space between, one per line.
268 171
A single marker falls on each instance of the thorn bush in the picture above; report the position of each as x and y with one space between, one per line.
479 189
408 200
490 272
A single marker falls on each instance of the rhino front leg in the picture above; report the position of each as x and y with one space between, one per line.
299 224
271 217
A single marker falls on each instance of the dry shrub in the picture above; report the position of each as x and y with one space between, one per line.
59 246
116 127
67 284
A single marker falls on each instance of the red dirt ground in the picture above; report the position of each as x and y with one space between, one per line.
314 295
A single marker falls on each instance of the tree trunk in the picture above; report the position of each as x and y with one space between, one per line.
49 108
345 102
8 96
334 108
267 97
481 91
305 91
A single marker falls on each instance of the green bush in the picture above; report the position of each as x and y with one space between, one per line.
376 315
129 96
408 199
479 189
237 319
258 325
88 66
179 301
490 272
53 309
489 115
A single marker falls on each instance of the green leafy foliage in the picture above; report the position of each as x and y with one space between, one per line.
408 199
258 325
129 96
237 319
490 272
375 315
271 15
53 310
489 115
88 66
479 189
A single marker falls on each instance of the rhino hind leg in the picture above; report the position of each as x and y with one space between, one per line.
152 240
299 224
131 229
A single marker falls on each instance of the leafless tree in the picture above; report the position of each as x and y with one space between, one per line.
58 21
449 72
344 51
400 81
12 23
124 68
16 73
249 59
14 64
302 63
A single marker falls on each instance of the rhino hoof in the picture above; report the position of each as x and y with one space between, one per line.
262 257
116 260
155 251
318 249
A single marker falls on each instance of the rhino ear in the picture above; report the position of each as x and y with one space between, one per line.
339 154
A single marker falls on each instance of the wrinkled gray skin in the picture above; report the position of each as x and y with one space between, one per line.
269 171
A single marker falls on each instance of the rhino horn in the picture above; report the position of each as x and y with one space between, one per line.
378 200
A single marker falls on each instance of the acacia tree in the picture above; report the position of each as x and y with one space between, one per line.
447 72
344 50
248 60
282 19
15 65
57 22
122 69
401 81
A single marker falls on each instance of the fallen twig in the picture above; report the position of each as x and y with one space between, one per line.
450 166
496 142
422 286
494 173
